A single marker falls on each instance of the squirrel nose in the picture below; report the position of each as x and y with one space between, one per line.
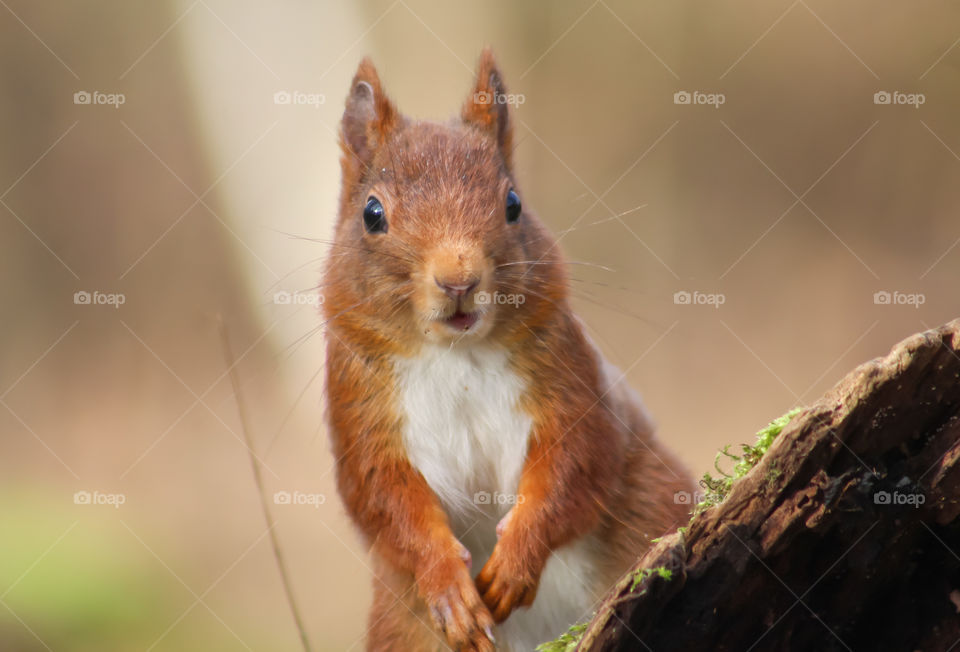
456 290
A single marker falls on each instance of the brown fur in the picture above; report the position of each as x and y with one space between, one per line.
443 189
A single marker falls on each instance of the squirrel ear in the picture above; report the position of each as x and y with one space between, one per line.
367 119
487 107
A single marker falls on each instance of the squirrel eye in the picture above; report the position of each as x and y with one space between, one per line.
373 218
513 207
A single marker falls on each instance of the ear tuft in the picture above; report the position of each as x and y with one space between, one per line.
487 107
368 118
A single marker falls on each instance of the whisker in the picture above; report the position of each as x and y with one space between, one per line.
549 262
625 313
331 243
291 272
613 217
283 423
622 288
288 351
576 295
534 274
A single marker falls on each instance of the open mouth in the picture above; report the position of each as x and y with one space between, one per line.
462 321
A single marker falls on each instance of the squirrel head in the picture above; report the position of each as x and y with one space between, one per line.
433 241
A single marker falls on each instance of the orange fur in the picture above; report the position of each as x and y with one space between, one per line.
592 465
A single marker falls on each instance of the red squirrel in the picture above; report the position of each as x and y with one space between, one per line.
471 418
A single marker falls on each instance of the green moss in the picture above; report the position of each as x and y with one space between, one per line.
773 474
571 638
716 490
718 487
640 575
567 641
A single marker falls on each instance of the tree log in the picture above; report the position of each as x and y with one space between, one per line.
844 536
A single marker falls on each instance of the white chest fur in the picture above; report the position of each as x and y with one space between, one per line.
465 432
464 429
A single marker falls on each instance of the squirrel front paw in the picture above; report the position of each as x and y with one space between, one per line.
509 579
455 606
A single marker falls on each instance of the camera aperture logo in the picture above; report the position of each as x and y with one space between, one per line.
97 298
899 98
99 498
688 498
286 298
486 97
299 498
699 97
483 298
497 498
696 298
899 498
896 298
299 98
99 98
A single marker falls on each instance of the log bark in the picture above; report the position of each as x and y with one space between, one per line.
845 535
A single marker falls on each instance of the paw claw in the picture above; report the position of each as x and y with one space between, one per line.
455 605
505 585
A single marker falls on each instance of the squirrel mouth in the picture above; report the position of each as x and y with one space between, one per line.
462 321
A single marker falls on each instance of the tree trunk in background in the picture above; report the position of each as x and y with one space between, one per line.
106 205
844 536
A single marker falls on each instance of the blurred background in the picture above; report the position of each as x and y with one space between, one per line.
764 193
